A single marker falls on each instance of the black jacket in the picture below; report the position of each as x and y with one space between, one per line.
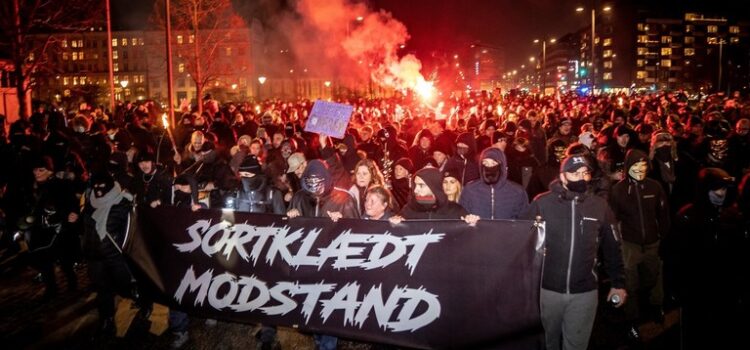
442 209
576 226
641 207
117 226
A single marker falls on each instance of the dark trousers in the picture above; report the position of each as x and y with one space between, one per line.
110 276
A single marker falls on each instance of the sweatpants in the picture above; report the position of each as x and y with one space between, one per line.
568 318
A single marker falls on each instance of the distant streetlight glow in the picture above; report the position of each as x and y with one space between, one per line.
579 9
124 83
532 59
607 9
262 80
360 18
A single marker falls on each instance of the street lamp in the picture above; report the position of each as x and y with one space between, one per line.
544 60
580 9
261 80
124 83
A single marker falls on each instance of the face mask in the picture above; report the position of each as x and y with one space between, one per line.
579 186
315 185
663 153
101 189
426 201
462 151
638 171
251 183
491 175
716 199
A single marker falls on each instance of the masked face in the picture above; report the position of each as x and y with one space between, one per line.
638 171
315 185
423 194
577 181
719 149
462 149
490 171
101 189
717 197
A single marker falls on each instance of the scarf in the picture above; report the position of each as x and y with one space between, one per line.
103 205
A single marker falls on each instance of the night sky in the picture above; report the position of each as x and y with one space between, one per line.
451 26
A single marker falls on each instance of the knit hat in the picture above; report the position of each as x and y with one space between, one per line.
452 172
250 165
406 163
144 156
573 163
44 162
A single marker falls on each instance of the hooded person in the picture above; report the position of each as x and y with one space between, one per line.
429 201
106 219
402 181
642 208
708 249
318 197
493 196
465 158
255 194
421 151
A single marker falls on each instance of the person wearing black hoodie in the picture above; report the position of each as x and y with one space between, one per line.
707 246
319 198
642 208
255 194
428 201
577 225
465 158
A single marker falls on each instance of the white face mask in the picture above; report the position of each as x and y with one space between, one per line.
638 171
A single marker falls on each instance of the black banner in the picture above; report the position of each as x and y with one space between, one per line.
422 284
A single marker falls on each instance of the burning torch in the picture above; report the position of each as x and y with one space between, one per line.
165 122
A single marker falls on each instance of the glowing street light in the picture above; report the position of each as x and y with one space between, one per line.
532 59
262 80
360 18
124 83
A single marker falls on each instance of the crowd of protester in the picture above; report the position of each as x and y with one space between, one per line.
661 179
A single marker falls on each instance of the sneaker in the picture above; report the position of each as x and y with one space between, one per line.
180 338
210 322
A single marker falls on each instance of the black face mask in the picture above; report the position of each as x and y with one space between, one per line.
181 197
579 186
491 175
102 189
663 153
251 183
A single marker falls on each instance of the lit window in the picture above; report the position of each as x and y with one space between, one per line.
712 40
689 40
641 74
64 43
689 28
83 81
80 55
712 29
75 56
65 56
133 41
607 53
642 51
666 39
31 56
66 93
689 51
179 39
116 78
734 29
229 51
115 55
75 80
666 63
734 40
191 38
608 64
65 80
124 42
641 63
80 43
116 67
608 76
641 26
114 42
666 51
643 39
607 42
74 43
140 41
181 68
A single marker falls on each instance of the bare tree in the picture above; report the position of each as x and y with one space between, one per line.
30 27
208 29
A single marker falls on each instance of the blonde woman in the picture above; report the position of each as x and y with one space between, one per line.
452 184
366 174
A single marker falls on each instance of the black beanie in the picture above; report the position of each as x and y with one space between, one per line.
407 164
